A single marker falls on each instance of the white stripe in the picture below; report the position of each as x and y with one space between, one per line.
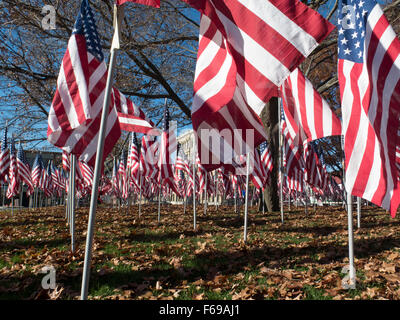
277 20
256 55
214 85
79 76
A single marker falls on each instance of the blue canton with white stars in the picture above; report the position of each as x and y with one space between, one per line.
37 162
85 25
165 125
4 141
21 154
353 15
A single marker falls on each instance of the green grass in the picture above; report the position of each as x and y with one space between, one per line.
312 293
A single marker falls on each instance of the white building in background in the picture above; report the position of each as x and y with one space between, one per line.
186 141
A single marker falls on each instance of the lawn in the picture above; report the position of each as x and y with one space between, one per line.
137 258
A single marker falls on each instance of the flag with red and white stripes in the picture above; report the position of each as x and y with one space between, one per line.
130 116
308 116
4 157
153 3
87 173
13 184
75 114
66 162
246 50
24 171
369 80
36 170
148 157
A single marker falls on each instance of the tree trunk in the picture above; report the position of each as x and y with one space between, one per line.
270 119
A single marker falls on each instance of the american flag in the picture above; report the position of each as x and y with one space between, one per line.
115 180
369 80
133 160
13 185
4 157
266 161
56 177
24 172
87 173
66 162
308 116
246 50
75 114
148 156
153 3
36 170
122 177
167 147
130 116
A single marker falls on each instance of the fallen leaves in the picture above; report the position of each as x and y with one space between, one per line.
300 259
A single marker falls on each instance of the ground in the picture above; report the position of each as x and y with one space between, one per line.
137 258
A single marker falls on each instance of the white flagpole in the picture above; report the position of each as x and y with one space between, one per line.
280 159
118 15
159 201
72 218
140 193
358 212
246 206
352 270
205 195
194 182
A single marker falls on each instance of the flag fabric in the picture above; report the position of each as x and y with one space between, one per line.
87 173
13 184
246 50
36 170
133 161
4 157
369 81
66 162
130 116
75 113
167 148
153 3
24 172
115 179
266 161
308 116
148 156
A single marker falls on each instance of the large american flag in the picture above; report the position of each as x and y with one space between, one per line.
4 157
246 50
75 114
308 116
369 79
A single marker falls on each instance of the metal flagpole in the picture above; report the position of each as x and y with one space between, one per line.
72 217
262 200
352 271
118 15
159 201
280 159
246 206
205 195
140 193
358 212
194 182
